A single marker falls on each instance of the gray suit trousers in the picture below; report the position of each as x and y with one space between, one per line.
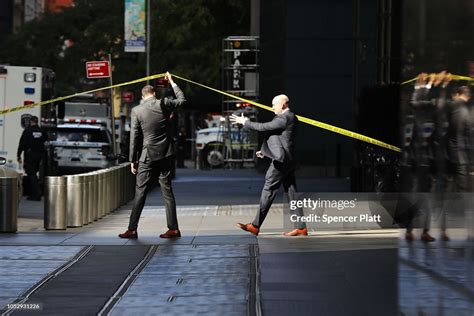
278 173
147 173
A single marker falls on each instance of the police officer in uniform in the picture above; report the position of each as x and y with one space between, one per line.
32 145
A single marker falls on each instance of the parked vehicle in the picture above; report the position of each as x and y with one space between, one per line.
217 145
23 86
81 147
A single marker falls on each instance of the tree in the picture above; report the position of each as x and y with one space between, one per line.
186 39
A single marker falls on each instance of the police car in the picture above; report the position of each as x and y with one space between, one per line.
82 147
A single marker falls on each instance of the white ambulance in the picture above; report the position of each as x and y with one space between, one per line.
19 86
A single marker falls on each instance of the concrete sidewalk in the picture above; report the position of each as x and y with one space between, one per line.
216 268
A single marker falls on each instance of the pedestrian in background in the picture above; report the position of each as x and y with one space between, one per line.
32 146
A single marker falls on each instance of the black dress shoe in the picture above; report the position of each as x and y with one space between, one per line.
130 234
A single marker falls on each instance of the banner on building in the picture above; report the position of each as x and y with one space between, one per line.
135 34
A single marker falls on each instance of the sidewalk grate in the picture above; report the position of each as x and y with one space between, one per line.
192 279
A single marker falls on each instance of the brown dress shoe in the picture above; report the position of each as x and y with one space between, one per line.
249 228
297 232
427 237
131 234
171 234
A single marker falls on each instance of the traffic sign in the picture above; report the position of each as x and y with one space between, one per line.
97 69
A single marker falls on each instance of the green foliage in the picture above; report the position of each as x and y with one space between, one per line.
186 39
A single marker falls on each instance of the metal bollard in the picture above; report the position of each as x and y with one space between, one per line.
117 186
95 195
108 191
132 181
55 203
101 201
9 204
125 184
120 175
90 197
84 196
104 192
113 195
74 201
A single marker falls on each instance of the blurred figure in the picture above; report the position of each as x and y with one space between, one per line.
32 145
419 178
459 139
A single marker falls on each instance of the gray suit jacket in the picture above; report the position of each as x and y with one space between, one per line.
150 134
279 138
459 138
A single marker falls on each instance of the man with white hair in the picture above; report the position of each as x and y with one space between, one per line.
278 145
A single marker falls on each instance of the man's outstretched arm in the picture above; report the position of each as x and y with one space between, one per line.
278 122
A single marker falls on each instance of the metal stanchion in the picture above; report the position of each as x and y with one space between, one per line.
121 191
133 181
104 193
96 196
118 198
85 199
114 185
93 196
90 208
8 204
74 201
124 184
108 191
55 203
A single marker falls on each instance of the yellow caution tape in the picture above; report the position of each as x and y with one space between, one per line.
454 77
23 107
304 119
408 81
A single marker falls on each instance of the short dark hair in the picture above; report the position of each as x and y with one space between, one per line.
148 90
34 119
463 90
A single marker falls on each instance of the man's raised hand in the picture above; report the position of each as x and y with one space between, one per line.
168 77
235 119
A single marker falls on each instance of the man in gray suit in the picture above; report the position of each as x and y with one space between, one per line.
279 146
151 154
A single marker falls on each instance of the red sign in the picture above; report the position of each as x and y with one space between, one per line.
127 97
97 69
